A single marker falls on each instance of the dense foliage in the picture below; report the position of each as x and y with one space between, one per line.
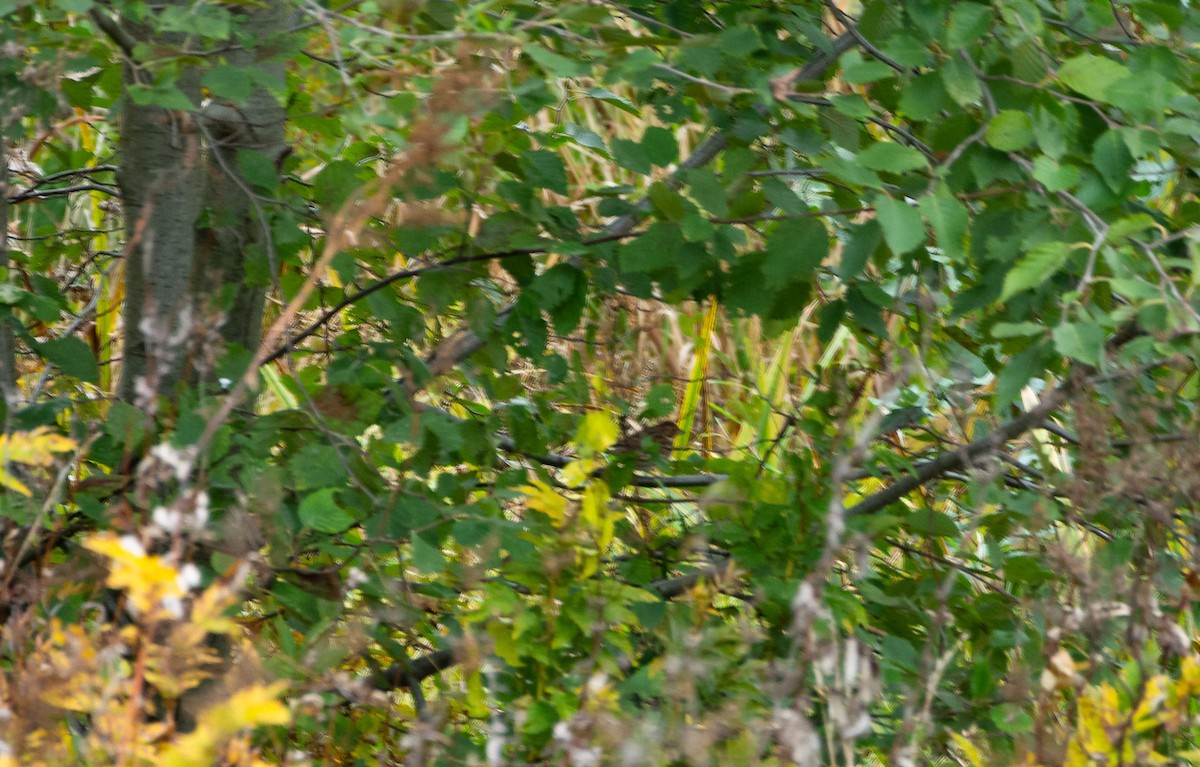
649 383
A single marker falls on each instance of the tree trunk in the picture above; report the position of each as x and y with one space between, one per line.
191 219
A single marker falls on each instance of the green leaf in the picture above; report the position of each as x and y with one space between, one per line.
863 240
336 182
608 97
1036 267
924 97
319 511
667 203
1055 177
705 188
545 170
1018 372
969 22
162 95
656 249
1112 158
932 523
1010 130
903 229
72 356
555 64
1091 75
660 146
851 105
737 42
949 219
892 157
1011 718
228 82
794 250
631 156
961 83
427 557
1083 341
584 137
866 71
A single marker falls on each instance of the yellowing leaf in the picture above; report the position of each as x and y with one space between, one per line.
547 500
250 707
968 749
597 433
596 514
146 579
578 472
34 448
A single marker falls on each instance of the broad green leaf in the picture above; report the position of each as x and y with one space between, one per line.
660 146
1010 130
656 249
892 157
545 170
556 64
903 229
794 250
1112 158
738 42
969 22
949 219
861 71
1036 267
1083 341
426 556
229 82
321 512
584 137
1055 177
932 523
163 95
961 82
707 190
72 356
1091 75
1018 372
631 155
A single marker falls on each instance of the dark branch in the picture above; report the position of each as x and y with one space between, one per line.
957 459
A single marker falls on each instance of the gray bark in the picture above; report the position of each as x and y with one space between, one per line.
160 179
8 349
179 169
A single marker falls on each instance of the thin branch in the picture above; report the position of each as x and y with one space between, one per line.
404 274
114 31
961 457
864 43
408 674
46 194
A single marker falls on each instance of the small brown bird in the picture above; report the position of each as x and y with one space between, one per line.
648 443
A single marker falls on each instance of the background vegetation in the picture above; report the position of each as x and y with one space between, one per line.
586 382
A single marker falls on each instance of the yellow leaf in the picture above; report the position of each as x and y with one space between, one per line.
35 448
547 500
578 472
145 579
597 433
13 483
596 514
249 707
968 749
